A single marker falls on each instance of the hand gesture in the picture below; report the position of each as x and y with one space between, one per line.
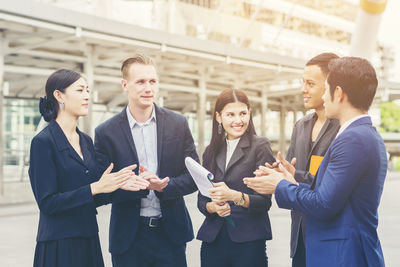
290 167
155 183
158 184
221 193
109 182
222 209
135 183
142 169
267 184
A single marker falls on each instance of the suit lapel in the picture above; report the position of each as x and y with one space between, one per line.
87 157
124 124
238 153
221 159
74 155
160 129
63 143
308 126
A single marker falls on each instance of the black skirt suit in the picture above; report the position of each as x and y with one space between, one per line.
60 180
242 245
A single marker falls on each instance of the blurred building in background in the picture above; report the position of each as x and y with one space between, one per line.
201 48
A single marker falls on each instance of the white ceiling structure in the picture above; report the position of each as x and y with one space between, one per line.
39 38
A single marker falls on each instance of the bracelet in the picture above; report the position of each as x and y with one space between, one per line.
241 201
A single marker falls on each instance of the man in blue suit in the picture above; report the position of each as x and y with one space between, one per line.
341 205
149 227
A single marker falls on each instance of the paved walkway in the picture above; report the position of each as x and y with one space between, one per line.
18 225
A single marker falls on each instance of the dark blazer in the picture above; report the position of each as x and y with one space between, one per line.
342 208
251 223
114 143
300 149
60 181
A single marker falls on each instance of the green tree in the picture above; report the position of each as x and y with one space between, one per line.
390 117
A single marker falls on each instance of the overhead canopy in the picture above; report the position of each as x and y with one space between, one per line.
40 38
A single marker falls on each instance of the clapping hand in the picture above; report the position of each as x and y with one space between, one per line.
155 183
109 182
266 184
289 166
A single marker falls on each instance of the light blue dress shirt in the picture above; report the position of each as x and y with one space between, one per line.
145 139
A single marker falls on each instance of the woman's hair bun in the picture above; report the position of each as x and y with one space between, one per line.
46 109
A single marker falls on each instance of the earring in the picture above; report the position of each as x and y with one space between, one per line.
62 106
219 128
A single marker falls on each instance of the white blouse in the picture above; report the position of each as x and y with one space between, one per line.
230 148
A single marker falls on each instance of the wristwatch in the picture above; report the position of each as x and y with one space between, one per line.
241 201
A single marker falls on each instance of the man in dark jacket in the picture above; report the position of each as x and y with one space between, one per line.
149 227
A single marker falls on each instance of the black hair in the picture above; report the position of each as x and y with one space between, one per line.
356 77
322 61
59 80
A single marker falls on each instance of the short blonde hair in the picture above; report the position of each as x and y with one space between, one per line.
136 59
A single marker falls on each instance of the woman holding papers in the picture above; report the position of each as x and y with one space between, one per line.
234 152
65 176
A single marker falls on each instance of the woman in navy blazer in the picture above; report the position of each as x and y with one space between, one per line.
234 152
64 176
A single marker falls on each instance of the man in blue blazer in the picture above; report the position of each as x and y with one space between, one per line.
310 140
149 227
341 205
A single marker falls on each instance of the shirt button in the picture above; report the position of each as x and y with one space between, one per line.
87 172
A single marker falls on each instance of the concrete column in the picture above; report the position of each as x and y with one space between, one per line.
365 34
21 160
282 133
171 16
201 114
264 110
88 69
3 46
294 116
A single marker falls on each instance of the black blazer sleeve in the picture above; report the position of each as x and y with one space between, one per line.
43 175
183 184
259 202
202 202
